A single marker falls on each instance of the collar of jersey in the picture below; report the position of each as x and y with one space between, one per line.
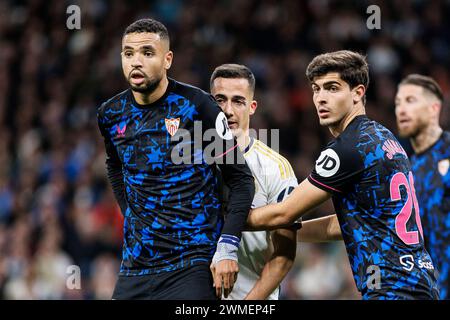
249 146
170 87
431 146
354 121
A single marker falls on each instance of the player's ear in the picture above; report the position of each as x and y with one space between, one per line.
253 107
358 93
168 59
436 108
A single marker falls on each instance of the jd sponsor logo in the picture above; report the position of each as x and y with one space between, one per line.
328 163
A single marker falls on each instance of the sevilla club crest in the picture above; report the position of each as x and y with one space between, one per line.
172 125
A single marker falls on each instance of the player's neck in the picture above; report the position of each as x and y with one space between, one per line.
148 98
339 127
426 138
243 140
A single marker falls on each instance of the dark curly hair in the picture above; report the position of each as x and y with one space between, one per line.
148 25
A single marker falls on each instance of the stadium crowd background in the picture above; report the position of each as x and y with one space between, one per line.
56 207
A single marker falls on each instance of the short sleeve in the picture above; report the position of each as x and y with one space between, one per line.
337 168
281 185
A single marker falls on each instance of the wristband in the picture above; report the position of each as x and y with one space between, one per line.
227 248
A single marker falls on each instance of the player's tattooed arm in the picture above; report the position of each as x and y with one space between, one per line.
273 216
322 229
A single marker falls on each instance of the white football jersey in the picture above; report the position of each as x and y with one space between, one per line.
274 180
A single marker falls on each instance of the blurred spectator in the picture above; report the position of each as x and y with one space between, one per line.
323 273
104 276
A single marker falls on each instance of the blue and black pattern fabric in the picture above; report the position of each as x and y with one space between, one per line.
432 174
369 176
172 211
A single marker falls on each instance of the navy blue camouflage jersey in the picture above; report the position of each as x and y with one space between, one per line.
431 170
171 207
369 176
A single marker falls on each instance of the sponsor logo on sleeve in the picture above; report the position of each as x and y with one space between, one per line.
120 130
222 128
328 163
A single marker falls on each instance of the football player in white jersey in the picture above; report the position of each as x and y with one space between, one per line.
265 257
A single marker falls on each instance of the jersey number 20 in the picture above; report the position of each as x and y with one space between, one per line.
400 179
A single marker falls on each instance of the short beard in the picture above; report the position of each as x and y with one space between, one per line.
413 132
410 134
148 86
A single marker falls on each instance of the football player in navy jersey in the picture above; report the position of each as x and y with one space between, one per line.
367 174
173 226
418 104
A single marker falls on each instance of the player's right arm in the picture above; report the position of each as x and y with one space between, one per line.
304 198
322 229
113 166
336 170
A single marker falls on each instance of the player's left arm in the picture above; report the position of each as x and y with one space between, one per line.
225 266
239 179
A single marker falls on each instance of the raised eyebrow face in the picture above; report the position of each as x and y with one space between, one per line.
220 96
135 41
326 85
232 98
139 48
238 99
